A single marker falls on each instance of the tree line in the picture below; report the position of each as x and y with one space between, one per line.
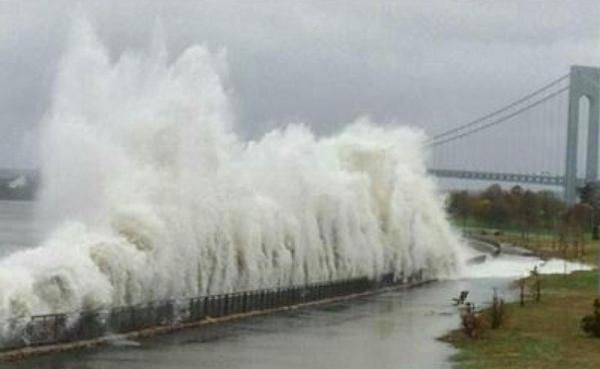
515 208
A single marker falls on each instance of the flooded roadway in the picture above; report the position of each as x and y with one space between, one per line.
390 330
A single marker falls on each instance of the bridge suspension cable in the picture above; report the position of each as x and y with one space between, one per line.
442 137
497 121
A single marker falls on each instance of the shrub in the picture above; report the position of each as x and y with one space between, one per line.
472 322
590 324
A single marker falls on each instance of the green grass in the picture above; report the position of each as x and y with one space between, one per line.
543 242
538 335
511 231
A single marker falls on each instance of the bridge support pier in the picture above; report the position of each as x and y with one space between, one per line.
584 83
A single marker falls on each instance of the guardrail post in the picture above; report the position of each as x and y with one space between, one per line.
219 311
235 299
226 304
171 311
193 310
132 320
209 305
278 297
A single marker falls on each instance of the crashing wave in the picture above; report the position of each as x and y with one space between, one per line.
152 195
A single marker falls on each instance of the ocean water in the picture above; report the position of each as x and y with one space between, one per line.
19 228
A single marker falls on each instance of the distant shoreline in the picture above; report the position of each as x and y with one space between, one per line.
19 184
32 199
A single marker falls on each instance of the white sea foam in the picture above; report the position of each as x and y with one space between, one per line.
153 196
516 266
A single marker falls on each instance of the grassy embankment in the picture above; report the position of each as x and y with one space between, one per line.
543 243
539 335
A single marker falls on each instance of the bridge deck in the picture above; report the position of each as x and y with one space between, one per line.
539 179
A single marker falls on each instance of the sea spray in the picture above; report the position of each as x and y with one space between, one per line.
152 195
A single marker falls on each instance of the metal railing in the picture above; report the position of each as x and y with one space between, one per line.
49 329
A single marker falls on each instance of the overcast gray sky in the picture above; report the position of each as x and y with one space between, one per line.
433 64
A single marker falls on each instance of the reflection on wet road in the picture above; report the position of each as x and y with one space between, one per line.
389 330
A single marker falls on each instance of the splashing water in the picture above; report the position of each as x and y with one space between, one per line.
153 196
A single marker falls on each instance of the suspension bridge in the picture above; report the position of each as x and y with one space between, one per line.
548 137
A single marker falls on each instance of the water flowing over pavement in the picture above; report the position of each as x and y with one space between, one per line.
390 330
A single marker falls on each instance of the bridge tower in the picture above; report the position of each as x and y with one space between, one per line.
584 84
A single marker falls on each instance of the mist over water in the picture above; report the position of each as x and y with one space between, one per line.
152 195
